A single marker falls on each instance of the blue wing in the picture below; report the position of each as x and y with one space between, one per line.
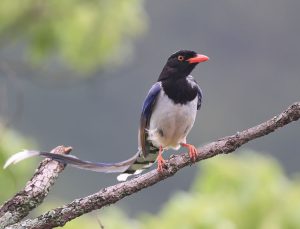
146 115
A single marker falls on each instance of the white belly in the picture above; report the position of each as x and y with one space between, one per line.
170 123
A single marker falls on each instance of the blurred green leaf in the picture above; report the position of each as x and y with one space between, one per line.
247 191
84 34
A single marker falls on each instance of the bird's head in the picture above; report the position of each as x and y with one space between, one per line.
181 64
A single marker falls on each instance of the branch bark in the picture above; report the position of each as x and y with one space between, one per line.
106 196
19 206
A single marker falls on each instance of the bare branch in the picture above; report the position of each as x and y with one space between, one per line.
35 191
106 196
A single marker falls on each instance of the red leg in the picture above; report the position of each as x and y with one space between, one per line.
160 160
192 151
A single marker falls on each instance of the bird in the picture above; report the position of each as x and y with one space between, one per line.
168 114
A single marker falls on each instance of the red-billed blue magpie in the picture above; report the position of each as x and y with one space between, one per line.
168 114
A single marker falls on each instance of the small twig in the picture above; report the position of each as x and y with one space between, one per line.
99 222
107 196
35 191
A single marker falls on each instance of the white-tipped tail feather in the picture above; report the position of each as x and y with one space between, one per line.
124 176
132 166
20 156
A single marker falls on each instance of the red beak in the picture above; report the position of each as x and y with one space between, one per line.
198 59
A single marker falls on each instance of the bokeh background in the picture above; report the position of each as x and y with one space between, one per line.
76 73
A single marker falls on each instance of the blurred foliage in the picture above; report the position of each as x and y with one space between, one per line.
231 192
85 34
14 177
244 191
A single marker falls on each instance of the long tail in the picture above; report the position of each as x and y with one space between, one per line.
131 166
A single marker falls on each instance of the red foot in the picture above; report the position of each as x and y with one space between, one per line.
160 160
193 153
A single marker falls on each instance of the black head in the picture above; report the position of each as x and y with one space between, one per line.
181 64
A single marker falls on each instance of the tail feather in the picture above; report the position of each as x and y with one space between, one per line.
73 161
132 166
20 156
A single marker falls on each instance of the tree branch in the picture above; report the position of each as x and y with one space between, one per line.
15 209
106 196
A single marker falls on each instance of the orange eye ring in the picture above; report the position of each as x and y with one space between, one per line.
180 58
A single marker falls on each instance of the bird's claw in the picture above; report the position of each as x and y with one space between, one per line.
193 153
160 164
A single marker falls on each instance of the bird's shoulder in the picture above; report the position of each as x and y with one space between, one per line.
194 83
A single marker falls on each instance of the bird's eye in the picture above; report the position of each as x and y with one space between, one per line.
180 58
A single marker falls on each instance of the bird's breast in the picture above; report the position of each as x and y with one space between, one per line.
170 123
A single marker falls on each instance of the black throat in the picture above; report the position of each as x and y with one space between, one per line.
179 90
